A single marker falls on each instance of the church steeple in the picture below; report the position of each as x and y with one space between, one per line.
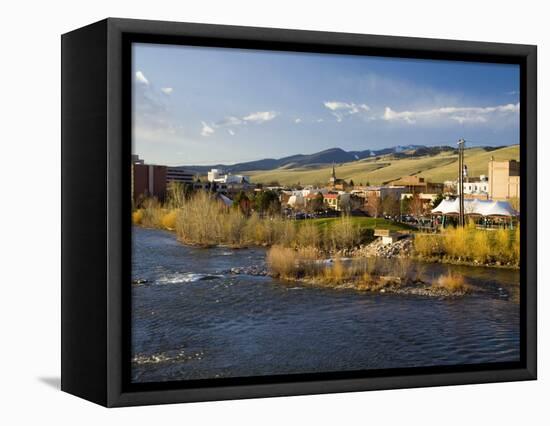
333 172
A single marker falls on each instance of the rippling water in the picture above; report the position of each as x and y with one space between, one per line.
193 320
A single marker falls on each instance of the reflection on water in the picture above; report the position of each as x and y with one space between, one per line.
193 320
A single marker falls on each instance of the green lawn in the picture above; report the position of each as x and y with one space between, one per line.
363 222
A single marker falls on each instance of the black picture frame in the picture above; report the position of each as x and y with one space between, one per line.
96 225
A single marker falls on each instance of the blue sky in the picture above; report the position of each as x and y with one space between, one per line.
195 105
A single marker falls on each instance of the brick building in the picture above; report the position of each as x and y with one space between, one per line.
148 181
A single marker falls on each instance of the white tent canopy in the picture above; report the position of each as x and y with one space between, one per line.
476 208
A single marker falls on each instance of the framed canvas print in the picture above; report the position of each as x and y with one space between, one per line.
253 212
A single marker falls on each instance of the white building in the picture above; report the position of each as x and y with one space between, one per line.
477 187
218 176
471 186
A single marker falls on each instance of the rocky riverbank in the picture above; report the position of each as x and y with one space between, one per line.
397 249
391 285
408 284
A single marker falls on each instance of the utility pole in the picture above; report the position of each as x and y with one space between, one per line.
461 143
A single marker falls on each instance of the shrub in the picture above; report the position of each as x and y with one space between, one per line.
455 242
427 244
283 232
308 235
480 248
516 246
336 273
404 268
152 214
453 283
282 262
200 220
256 230
502 242
168 221
233 227
137 217
344 233
471 244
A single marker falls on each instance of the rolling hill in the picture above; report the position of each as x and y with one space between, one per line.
328 156
435 166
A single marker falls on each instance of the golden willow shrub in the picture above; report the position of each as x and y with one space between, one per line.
427 245
344 233
202 219
137 217
470 244
452 282
283 262
309 235
168 220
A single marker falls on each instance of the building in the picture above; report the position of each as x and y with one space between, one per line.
373 198
218 176
300 197
179 174
137 160
476 188
504 179
337 201
227 183
378 191
336 184
425 198
214 174
418 203
417 184
148 181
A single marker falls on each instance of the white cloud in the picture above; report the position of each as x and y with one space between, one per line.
234 122
140 78
347 106
459 114
465 119
229 121
320 120
167 90
260 116
206 129
298 120
341 109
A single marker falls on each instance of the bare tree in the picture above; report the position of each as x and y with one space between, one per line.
390 205
374 204
416 206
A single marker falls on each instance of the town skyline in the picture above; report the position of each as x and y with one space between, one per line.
208 105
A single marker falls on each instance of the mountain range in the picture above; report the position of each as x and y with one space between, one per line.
328 156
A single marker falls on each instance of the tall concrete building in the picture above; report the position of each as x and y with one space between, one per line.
503 179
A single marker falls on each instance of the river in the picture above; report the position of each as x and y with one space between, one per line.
193 320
